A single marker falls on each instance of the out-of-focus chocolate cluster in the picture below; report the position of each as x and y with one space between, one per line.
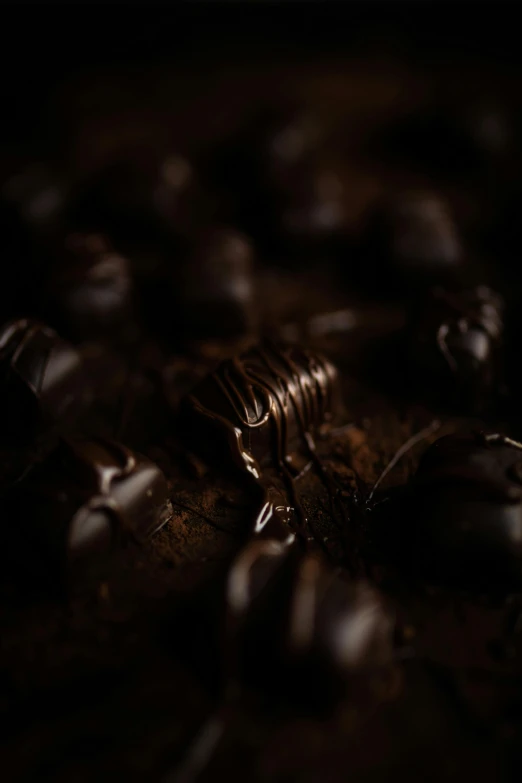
190 268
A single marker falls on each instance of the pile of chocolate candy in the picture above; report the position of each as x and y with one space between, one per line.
167 257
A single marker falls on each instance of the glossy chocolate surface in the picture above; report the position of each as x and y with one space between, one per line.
92 287
288 615
300 627
411 237
466 511
43 380
311 207
268 403
457 341
267 148
149 201
215 286
88 498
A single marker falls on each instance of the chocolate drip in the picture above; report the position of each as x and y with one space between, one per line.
131 487
270 402
89 497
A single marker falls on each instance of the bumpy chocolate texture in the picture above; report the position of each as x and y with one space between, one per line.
268 404
464 513
216 287
42 380
411 237
92 287
299 629
456 342
90 496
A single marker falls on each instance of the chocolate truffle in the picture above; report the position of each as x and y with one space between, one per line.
464 513
456 343
92 288
88 497
301 630
264 406
215 286
411 238
43 385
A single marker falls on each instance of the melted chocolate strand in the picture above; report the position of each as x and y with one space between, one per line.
399 454
272 387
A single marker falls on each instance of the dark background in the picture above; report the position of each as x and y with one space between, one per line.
43 44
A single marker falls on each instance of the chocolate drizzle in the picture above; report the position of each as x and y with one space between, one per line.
270 403
86 499
126 485
288 390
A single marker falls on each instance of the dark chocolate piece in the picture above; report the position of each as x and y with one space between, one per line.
268 404
456 342
216 287
411 238
283 140
92 288
285 198
267 149
454 140
88 497
464 514
43 384
39 197
150 202
33 206
491 130
310 209
299 629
